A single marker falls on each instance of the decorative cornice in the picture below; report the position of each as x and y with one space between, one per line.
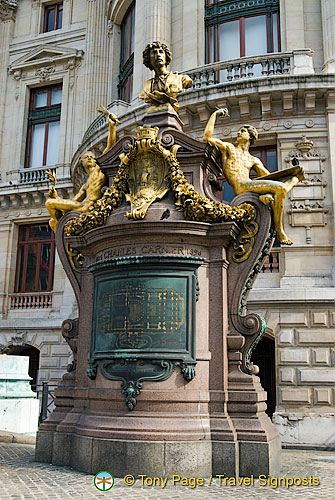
46 56
231 9
7 10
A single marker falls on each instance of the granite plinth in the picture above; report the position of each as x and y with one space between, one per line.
152 458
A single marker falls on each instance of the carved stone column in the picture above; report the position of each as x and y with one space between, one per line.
152 22
97 54
328 33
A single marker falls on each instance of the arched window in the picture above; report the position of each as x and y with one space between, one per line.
238 29
127 55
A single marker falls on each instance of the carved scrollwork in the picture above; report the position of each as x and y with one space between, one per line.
132 372
251 327
45 72
75 257
167 140
70 334
241 253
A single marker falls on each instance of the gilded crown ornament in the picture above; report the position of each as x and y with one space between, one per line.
147 133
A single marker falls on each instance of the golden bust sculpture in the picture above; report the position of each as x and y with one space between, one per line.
237 163
86 196
163 88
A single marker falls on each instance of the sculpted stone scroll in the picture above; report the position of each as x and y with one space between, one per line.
237 163
163 88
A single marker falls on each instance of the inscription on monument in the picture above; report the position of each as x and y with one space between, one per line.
142 313
180 250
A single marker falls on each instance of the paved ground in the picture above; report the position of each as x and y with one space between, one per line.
21 477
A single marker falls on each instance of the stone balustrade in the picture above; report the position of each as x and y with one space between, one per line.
271 263
29 175
34 175
281 63
95 126
30 300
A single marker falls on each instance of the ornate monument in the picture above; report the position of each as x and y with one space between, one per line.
161 381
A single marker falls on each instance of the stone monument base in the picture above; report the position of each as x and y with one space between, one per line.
152 458
159 458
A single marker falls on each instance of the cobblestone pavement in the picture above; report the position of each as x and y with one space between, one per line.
21 477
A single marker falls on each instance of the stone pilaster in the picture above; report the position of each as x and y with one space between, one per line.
97 56
331 138
7 19
328 33
292 24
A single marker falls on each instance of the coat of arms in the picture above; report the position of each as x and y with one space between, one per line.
148 179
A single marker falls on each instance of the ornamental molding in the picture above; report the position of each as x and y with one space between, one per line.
231 8
44 57
44 73
19 339
7 10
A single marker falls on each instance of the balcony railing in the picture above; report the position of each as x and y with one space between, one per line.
30 175
30 300
95 126
271 263
280 63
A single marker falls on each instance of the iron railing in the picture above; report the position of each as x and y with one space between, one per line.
46 397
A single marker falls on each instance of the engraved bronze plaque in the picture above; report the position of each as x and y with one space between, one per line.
144 306
141 313
144 319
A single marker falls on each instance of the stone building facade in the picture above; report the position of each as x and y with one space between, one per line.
271 62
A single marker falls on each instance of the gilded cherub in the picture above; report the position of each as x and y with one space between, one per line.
163 88
237 163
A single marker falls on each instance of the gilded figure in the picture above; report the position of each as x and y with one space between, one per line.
163 88
112 121
87 195
237 163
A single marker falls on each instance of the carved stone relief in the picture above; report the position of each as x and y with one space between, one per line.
307 208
